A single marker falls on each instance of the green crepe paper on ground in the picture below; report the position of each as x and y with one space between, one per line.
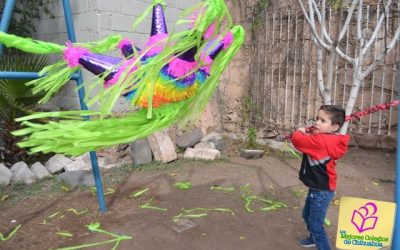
45 221
64 234
225 189
149 206
189 213
272 205
183 185
76 212
11 234
71 135
95 227
93 190
72 210
327 222
139 193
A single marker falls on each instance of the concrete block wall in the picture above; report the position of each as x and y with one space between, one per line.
96 19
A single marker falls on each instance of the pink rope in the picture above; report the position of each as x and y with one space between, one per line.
373 109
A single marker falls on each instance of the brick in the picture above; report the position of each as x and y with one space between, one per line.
114 6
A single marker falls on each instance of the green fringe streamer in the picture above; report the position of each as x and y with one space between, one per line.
75 137
29 45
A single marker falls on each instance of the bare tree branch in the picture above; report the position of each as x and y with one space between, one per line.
348 19
377 28
349 59
312 26
382 54
359 19
321 19
338 23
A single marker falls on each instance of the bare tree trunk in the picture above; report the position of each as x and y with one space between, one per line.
329 77
353 94
320 74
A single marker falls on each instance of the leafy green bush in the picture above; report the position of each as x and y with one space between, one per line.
16 99
251 137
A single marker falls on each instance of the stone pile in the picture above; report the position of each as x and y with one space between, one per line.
78 170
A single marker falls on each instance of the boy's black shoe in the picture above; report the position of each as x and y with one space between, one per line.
308 242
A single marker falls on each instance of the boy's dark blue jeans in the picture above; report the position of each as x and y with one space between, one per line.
314 212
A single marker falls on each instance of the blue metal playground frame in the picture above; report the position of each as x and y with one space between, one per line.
4 24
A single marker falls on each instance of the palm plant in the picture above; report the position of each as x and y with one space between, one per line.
16 99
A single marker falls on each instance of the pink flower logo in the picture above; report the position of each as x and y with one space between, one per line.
363 218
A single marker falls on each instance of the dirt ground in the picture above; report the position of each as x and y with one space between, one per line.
43 212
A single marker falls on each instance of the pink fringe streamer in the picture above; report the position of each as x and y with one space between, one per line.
207 61
124 42
210 31
121 69
156 49
227 40
72 54
178 67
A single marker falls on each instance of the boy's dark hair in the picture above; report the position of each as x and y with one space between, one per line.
336 112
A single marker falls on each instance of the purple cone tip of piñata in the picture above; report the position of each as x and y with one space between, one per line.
126 47
158 25
98 64
188 55
72 54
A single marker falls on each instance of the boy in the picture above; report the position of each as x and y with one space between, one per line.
321 147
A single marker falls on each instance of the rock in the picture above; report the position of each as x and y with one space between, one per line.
214 136
21 173
183 224
79 164
280 138
220 145
57 163
39 170
5 175
352 142
141 152
202 154
84 157
88 180
235 136
111 157
204 144
190 138
251 153
366 140
216 139
79 177
388 142
84 162
162 147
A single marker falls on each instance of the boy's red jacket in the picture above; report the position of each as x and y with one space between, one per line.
318 167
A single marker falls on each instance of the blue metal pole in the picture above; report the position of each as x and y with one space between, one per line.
5 19
81 92
396 233
26 75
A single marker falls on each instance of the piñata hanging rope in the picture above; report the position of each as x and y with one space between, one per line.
373 109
